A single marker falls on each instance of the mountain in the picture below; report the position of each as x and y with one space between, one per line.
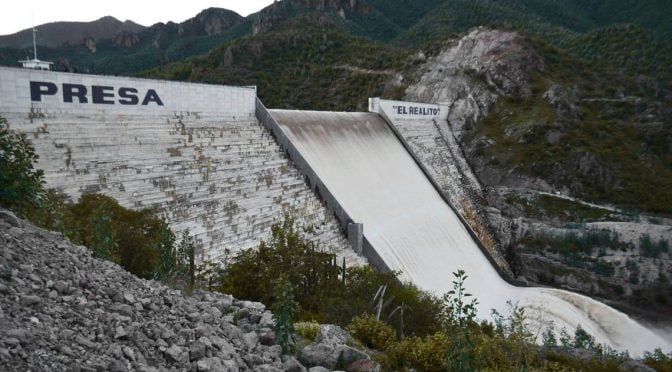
610 33
131 52
56 34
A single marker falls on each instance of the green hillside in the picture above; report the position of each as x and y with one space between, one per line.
607 140
592 31
627 47
300 65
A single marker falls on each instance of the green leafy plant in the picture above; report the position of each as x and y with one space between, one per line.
459 314
21 185
372 332
284 309
186 267
658 360
548 338
133 239
308 330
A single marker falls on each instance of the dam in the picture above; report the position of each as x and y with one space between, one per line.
215 160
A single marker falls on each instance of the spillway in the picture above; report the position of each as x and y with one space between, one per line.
376 181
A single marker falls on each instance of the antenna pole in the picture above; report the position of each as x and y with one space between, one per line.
35 42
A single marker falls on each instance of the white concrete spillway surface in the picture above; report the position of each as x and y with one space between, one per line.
376 181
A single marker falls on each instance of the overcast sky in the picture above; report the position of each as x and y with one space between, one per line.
17 15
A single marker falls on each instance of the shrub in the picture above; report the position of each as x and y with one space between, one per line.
308 330
371 332
21 185
651 249
284 309
424 354
320 289
252 273
459 315
130 238
658 360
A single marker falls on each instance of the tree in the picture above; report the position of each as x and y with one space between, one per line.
285 309
21 185
186 267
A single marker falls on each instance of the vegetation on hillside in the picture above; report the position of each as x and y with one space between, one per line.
406 328
633 39
128 52
612 134
627 34
302 66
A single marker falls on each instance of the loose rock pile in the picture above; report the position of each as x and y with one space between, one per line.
61 309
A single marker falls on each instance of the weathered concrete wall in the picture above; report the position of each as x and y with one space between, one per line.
200 157
424 130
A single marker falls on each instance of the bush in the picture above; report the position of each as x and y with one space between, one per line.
21 185
651 249
320 290
424 354
133 239
658 360
252 273
284 309
308 330
372 332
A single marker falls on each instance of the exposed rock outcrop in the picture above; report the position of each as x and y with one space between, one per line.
472 74
126 40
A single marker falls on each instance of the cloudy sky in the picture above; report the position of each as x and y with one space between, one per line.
17 15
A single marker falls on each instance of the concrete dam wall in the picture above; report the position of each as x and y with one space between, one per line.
412 229
212 159
194 152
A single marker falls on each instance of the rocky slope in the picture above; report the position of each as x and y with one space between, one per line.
62 309
542 138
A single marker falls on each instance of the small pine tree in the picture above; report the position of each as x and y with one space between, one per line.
583 340
167 256
186 267
548 337
565 339
284 308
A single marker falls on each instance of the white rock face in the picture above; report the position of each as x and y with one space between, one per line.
376 181
470 76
